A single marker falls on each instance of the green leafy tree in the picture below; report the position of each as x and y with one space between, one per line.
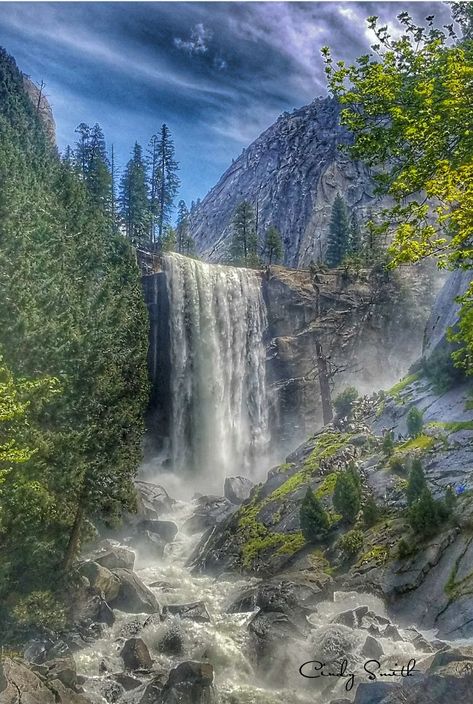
243 247
345 401
133 199
347 496
408 105
314 520
415 422
338 241
273 246
416 483
164 182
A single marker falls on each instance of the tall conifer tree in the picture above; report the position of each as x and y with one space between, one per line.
338 239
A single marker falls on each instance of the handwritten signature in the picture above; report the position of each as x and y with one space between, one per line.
312 669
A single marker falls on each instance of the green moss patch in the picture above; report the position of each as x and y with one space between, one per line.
397 389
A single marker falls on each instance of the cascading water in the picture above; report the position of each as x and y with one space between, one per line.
219 410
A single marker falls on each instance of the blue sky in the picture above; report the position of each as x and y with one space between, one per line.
217 73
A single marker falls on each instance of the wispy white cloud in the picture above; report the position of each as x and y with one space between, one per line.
198 41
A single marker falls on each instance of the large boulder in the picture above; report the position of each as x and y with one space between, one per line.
189 683
292 596
116 558
133 596
195 611
101 580
237 489
135 655
209 511
167 530
153 500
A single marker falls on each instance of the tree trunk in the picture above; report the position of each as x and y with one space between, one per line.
325 393
73 544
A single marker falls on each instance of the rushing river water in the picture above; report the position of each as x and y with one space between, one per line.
224 641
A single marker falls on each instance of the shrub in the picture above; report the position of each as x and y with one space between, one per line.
344 402
416 483
450 499
388 444
39 611
415 422
440 370
426 514
396 465
347 495
314 520
370 512
351 543
403 549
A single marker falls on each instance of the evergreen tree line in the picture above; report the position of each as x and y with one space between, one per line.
73 344
246 249
348 239
140 203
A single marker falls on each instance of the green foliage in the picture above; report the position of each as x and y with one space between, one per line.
397 465
273 246
426 515
370 512
338 241
184 242
441 371
415 422
450 499
408 105
169 240
133 199
404 549
244 245
314 520
39 611
72 310
351 543
163 182
416 483
347 495
388 444
345 401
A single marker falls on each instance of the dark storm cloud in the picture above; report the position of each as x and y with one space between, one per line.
218 73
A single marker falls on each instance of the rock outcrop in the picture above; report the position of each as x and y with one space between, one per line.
291 174
42 106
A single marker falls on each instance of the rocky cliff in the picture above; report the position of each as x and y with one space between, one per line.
42 106
291 174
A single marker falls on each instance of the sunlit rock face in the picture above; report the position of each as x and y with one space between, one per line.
291 174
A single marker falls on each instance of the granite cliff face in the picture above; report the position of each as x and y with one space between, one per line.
43 107
291 174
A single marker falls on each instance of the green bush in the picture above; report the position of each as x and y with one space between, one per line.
347 495
403 549
450 499
351 543
39 611
397 465
345 401
388 444
313 519
441 371
370 512
426 515
416 483
415 422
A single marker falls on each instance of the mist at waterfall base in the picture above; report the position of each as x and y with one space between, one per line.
218 413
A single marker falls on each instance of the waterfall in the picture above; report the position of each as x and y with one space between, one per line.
219 412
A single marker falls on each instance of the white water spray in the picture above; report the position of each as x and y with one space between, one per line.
219 410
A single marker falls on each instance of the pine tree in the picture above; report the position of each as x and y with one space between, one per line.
169 240
388 444
347 496
243 247
370 512
164 181
338 239
354 237
415 421
313 519
184 241
273 246
99 176
133 199
416 483
424 515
